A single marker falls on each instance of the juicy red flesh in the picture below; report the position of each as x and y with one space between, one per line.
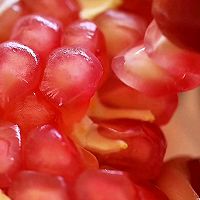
34 185
20 71
86 34
47 151
143 157
39 33
111 184
95 185
129 29
138 71
71 75
30 112
10 153
9 17
64 10
182 64
161 107
179 20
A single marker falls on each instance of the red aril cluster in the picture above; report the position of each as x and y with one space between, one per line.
141 137
81 100
87 35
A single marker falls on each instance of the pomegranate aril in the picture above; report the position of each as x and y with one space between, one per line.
39 33
30 185
106 185
46 150
161 107
134 146
135 69
144 155
9 17
129 29
140 7
10 153
64 10
30 112
182 64
71 75
86 34
179 21
20 71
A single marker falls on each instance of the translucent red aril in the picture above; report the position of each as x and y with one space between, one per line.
10 153
30 112
179 20
47 151
138 71
64 10
106 185
128 28
161 107
111 184
86 34
71 75
135 146
30 185
8 18
140 7
183 64
20 71
39 33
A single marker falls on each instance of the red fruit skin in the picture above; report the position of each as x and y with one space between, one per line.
30 185
135 69
71 77
30 112
20 71
179 20
85 34
182 64
47 151
140 7
129 30
64 10
161 107
144 155
9 17
106 185
41 34
10 153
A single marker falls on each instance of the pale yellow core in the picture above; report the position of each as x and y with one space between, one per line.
92 8
98 110
3 196
87 135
